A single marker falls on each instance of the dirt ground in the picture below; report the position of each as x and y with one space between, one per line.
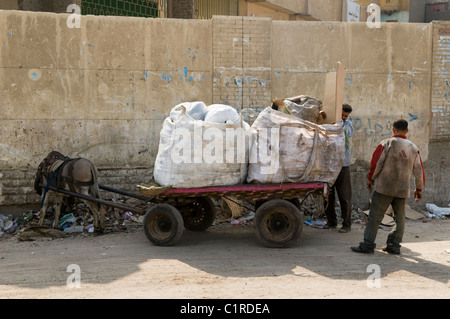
228 262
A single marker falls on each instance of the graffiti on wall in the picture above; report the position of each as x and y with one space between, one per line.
376 130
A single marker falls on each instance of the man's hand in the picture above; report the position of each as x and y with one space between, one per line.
418 194
369 185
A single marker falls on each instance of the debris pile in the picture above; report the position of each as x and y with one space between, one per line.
74 219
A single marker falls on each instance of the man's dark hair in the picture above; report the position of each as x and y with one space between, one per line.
401 125
347 108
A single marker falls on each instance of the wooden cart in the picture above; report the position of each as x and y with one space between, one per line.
278 220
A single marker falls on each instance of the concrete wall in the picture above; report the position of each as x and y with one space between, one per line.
103 91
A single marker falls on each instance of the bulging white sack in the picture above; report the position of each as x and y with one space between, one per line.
289 149
195 153
222 114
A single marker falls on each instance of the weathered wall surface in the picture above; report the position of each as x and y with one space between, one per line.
440 103
102 91
438 165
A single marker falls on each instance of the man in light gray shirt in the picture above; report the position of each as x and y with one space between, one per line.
342 184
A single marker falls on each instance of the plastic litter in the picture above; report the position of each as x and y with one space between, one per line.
66 221
128 215
436 211
315 223
243 219
74 229
89 228
7 225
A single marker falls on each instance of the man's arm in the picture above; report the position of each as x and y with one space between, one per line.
419 177
373 165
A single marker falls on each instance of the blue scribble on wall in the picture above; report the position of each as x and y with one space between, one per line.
372 129
413 117
167 78
185 73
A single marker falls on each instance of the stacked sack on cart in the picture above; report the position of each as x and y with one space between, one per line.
212 145
288 148
202 146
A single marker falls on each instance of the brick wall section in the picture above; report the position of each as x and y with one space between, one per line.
183 9
16 186
440 91
242 61
227 60
257 61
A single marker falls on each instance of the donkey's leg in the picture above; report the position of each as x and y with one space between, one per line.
102 211
58 203
92 206
43 211
94 210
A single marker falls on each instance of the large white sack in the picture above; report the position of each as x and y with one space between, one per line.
196 110
288 149
195 153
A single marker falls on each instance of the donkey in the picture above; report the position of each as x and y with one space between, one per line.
78 175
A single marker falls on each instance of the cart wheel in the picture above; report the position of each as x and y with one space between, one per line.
163 225
278 223
198 215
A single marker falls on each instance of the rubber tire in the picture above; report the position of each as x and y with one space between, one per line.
163 225
203 221
278 223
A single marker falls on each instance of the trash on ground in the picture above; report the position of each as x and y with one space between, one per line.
437 212
66 221
74 229
36 232
243 219
315 223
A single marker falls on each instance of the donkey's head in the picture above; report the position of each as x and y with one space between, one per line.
46 162
52 156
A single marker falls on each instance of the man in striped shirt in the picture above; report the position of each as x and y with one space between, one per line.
393 164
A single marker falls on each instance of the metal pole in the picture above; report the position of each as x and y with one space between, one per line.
95 200
121 192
